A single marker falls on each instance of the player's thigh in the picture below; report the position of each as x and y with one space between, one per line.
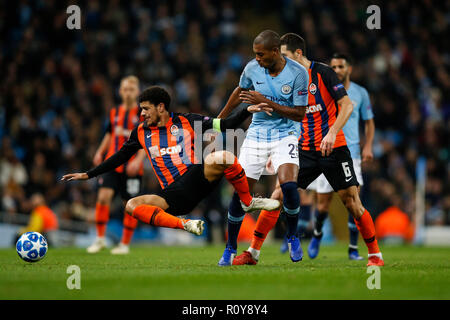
284 155
338 169
108 183
148 199
309 168
185 193
253 158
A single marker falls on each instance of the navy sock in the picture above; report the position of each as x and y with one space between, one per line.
303 219
235 216
354 233
291 205
320 219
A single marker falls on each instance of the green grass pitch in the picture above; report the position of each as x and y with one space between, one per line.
158 272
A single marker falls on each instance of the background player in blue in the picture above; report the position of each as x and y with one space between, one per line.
362 108
281 83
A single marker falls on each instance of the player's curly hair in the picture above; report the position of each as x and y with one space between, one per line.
155 95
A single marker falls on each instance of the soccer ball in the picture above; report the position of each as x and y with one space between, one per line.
31 246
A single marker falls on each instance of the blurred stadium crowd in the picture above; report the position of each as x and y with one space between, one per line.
57 84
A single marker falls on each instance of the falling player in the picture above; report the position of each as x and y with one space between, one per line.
125 180
323 148
280 83
342 65
168 139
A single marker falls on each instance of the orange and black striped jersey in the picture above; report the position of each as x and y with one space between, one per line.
120 123
172 149
324 90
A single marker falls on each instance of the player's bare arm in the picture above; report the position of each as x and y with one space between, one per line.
98 157
134 165
254 97
233 101
369 130
326 146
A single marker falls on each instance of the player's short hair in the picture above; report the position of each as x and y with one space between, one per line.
346 57
293 41
131 79
269 39
155 95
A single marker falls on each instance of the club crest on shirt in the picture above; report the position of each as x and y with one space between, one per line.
286 89
312 88
174 130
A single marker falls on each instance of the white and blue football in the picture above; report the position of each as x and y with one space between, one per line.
31 246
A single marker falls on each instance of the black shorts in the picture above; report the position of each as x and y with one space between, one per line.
127 187
337 168
187 191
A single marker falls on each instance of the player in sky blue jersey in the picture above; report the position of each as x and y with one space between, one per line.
362 109
281 84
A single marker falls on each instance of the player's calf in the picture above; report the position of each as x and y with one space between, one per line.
364 223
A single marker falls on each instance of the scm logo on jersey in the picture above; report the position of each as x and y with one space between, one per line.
170 150
314 108
154 152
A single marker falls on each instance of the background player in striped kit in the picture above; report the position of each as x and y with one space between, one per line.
124 180
342 65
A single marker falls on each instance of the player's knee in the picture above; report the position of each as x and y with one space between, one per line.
104 198
290 195
130 206
219 158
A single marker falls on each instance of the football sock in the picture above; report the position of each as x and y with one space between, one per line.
266 221
354 233
101 218
235 216
236 176
319 221
157 217
291 205
129 224
303 219
367 229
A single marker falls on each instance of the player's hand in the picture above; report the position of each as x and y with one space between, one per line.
326 146
269 166
98 157
75 176
261 107
367 154
252 97
133 168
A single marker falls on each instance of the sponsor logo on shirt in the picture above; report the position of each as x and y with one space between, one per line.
338 86
315 108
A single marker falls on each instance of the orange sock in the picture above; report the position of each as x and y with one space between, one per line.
101 218
236 176
266 221
129 224
157 217
367 229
